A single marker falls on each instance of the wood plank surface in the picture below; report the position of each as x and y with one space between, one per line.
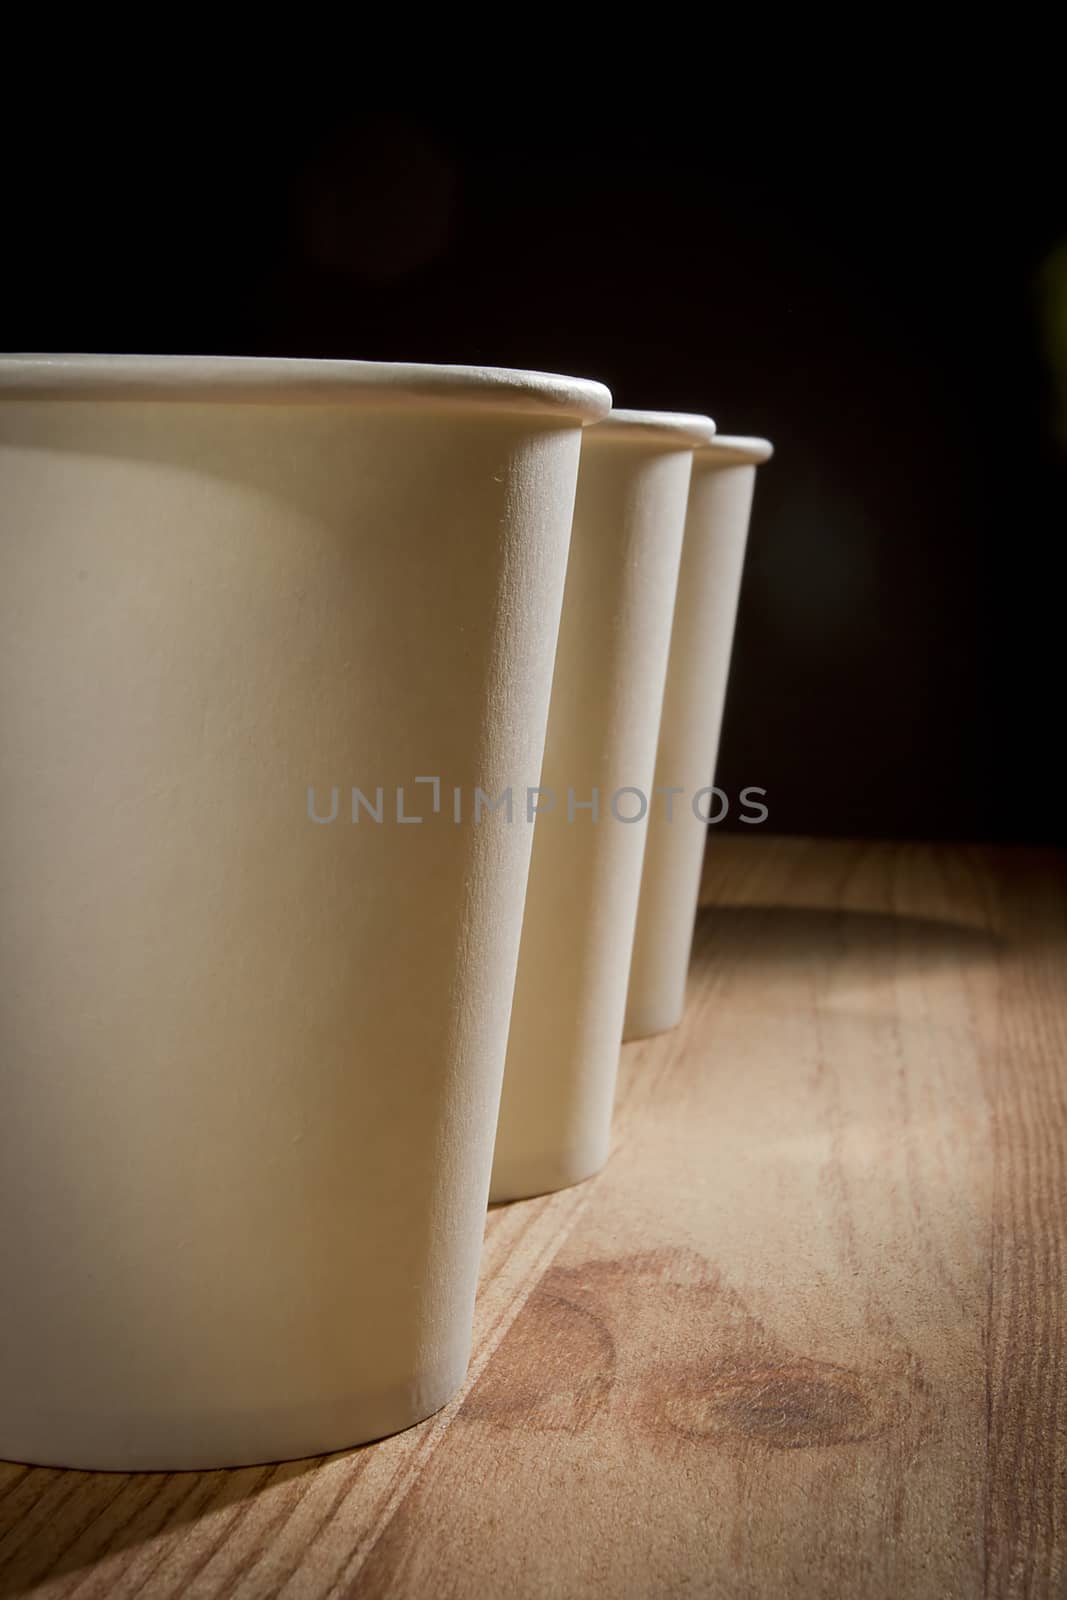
803 1337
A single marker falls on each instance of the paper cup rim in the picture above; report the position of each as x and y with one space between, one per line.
284 380
731 450
677 430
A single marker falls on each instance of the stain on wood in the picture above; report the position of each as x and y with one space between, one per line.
727 1382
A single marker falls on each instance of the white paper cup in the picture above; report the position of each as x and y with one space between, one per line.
251 1061
720 502
570 991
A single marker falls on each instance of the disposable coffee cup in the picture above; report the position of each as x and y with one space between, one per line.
713 554
261 622
593 801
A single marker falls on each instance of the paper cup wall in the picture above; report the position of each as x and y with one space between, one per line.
251 1055
720 502
570 992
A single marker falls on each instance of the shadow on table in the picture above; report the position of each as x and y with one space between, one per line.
55 1522
876 944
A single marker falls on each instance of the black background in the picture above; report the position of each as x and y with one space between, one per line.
874 278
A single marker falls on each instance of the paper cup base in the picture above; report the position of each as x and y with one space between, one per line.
194 1443
526 1179
647 1025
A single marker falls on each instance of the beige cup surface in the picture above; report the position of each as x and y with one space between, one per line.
713 553
251 1061
570 991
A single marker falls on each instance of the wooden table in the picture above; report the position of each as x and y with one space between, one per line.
804 1336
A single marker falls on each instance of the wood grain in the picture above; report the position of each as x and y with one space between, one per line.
803 1337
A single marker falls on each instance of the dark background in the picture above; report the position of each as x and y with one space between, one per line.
874 279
